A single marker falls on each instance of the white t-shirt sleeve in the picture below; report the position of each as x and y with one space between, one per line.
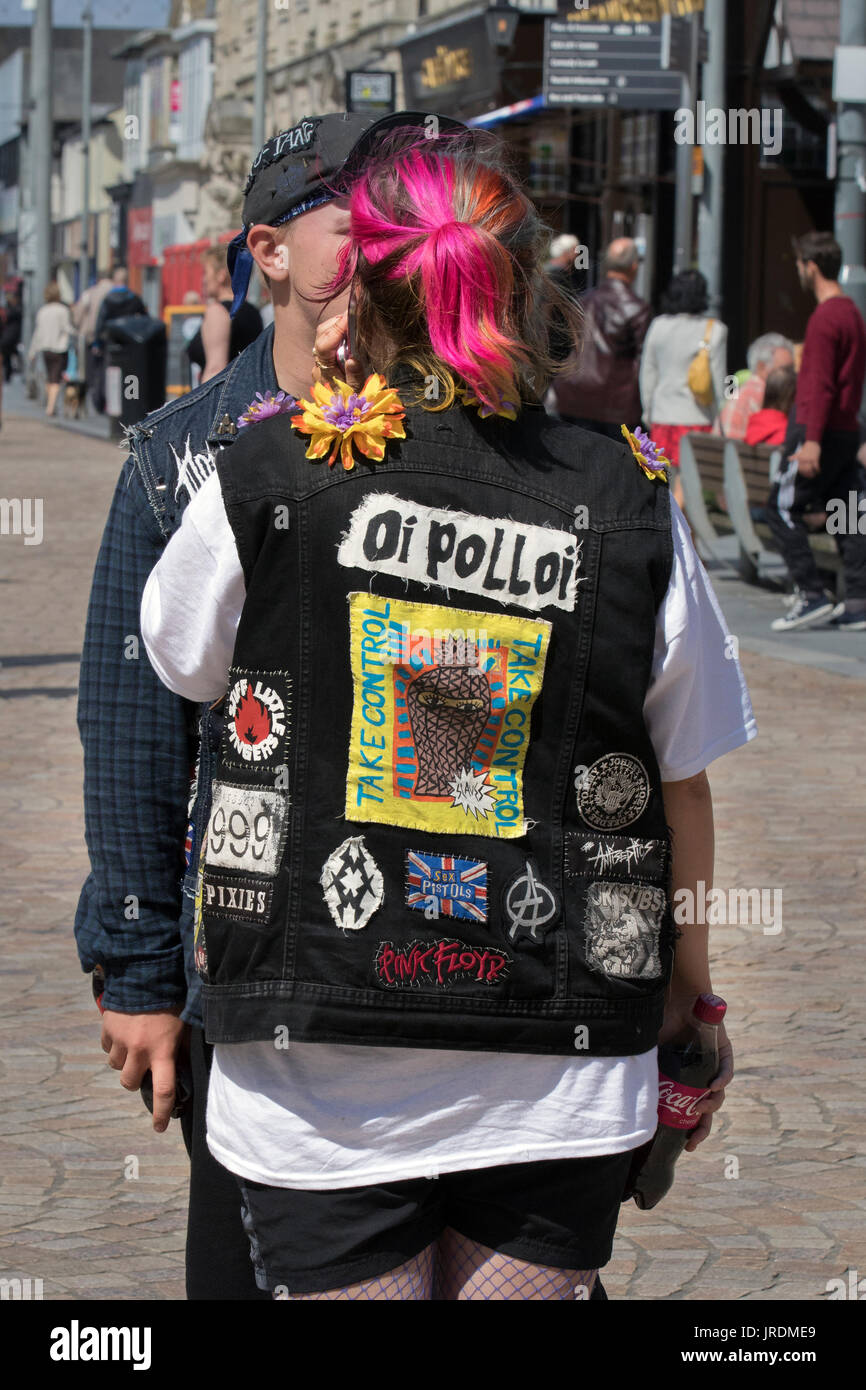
697 706
193 599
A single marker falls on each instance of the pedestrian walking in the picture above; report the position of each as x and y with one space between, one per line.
51 337
118 303
221 335
598 388
416 864
682 369
563 270
10 334
822 443
148 755
85 313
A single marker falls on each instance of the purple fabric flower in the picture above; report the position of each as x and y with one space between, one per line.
265 406
342 413
650 451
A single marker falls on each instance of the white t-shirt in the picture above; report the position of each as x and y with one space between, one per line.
320 1115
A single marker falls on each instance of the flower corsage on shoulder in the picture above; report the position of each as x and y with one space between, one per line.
507 409
649 456
338 417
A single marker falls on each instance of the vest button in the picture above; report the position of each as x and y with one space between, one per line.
227 426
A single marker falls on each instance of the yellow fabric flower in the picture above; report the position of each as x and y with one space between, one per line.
649 456
507 409
338 416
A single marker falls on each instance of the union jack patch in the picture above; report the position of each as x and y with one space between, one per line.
440 885
188 843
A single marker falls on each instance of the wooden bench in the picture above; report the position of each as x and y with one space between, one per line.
725 488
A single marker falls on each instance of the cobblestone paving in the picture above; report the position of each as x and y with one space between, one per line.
92 1202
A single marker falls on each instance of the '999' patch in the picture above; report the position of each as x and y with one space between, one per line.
247 828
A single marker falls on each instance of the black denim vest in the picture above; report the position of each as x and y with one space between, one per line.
438 818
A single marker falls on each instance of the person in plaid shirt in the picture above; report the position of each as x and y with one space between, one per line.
134 923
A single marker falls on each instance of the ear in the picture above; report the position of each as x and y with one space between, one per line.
269 250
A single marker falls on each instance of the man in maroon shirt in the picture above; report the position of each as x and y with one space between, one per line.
822 442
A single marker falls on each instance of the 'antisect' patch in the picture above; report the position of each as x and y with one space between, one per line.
512 562
442 711
614 856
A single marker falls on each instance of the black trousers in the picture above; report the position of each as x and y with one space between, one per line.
218 1263
792 495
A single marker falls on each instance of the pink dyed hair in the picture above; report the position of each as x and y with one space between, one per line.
446 251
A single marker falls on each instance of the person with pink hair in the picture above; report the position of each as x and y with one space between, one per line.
473 673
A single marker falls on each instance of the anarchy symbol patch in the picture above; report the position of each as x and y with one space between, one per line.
530 906
353 884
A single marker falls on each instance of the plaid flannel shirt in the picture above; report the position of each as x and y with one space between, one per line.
133 917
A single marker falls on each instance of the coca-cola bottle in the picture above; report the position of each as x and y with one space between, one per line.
687 1065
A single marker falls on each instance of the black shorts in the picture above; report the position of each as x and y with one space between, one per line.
561 1213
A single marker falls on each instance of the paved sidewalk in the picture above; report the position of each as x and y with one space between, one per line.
772 1206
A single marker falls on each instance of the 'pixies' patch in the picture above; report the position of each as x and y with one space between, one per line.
257 718
242 898
441 884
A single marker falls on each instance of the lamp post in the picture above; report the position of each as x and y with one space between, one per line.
86 83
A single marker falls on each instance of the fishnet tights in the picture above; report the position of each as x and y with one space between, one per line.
456 1269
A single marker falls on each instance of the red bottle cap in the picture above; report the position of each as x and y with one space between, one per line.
710 1008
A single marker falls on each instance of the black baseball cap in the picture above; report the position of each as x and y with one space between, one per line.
308 165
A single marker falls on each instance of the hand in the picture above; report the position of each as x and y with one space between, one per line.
861 455
808 458
329 336
677 1013
136 1043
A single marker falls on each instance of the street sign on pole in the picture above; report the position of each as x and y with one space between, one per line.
27 241
370 91
608 64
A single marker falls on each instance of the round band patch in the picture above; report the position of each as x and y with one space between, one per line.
256 718
613 792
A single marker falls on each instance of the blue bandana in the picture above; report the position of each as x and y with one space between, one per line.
239 258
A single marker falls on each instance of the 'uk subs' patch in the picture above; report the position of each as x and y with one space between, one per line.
439 884
623 925
442 712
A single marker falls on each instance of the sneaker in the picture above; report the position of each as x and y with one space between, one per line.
805 612
844 621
